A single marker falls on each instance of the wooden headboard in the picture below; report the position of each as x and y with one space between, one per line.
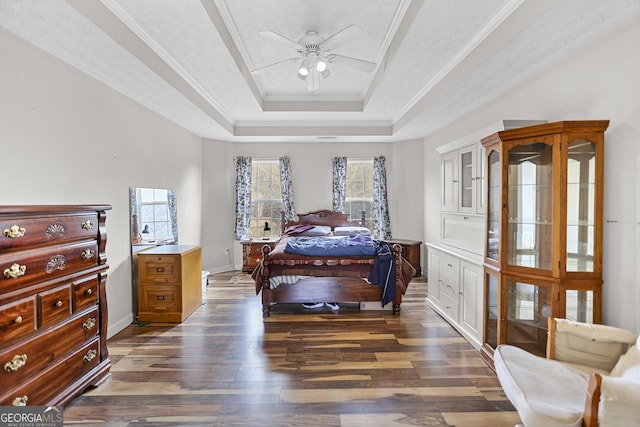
324 217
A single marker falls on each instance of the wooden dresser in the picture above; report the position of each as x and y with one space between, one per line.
252 252
170 283
53 306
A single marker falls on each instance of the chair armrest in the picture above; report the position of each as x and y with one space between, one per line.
593 401
597 346
619 402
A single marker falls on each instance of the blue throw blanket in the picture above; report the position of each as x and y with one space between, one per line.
356 245
383 272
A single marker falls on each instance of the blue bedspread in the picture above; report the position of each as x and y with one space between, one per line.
356 245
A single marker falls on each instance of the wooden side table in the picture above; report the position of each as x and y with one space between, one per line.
252 252
410 252
170 282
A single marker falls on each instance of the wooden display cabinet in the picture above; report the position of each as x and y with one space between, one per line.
543 246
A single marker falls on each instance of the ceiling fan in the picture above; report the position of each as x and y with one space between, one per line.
314 54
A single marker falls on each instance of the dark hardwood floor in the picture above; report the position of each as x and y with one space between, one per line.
226 366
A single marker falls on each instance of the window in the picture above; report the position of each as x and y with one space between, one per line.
266 199
155 215
359 194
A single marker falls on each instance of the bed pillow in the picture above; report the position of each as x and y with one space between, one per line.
350 231
317 231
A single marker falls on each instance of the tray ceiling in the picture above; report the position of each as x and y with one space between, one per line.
191 61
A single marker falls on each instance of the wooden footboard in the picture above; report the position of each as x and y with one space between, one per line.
327 289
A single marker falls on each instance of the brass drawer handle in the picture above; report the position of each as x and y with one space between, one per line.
87 254
87 225
14 232
15 271
58 303
18 320
20 401
91 354
89 323
18 361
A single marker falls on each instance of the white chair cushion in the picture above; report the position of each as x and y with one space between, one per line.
546 393
598 346
619 402
594 332
628 365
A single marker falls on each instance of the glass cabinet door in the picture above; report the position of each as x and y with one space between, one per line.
492 311
530 198
494 206
528 308
579 305
467 178
581 188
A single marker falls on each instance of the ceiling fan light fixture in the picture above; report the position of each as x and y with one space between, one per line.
301 76
326 73
305 67
321 66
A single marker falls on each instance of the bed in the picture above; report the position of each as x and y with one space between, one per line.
284 277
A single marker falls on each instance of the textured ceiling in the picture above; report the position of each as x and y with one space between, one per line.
191 61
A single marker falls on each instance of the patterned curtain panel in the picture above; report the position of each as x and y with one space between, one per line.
243 197
339 183
287 189
381 221
173 213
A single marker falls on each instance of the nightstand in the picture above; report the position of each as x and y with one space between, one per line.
252 252
410 252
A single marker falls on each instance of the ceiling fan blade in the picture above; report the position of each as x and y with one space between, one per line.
272 35
341 37
261 69
358 64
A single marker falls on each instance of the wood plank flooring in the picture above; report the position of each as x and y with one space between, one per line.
227 366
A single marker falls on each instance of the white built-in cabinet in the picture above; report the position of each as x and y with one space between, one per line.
462 189
455 262
462 179
455 292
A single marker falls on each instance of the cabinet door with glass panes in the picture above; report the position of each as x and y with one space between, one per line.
460 174
544 230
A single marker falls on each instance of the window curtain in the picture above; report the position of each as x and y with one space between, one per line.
381 221
243 197
173 214
339 183
287 189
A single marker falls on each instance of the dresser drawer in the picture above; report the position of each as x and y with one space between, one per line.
158 268
40 390
19 232
17 320
25 268
55 306
159 298
85 293
451 306
19 362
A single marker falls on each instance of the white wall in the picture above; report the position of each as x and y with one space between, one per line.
405 187
67 139
311 170
218 207
598 83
